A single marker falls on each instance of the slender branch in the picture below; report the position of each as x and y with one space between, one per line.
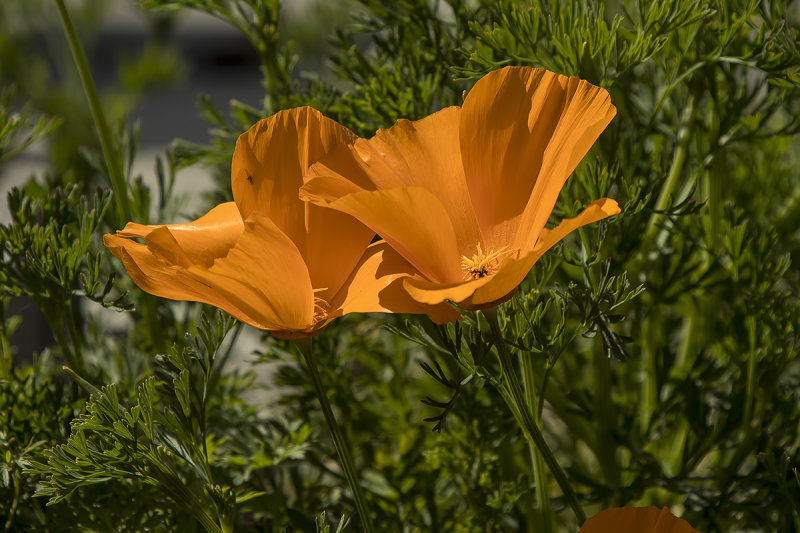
678 160
12 512
6 361
537 461
339 441
72 357
751 325
179 492
75 332
103 131
526 419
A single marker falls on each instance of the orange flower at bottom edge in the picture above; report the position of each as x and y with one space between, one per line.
268 258
636 520
464 194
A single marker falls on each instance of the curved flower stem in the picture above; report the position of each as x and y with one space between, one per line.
524 417
339 441
103 131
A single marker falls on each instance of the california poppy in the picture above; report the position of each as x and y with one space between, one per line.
268 258
636 520
464 194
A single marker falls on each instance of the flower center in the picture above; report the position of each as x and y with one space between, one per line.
320 307
482 264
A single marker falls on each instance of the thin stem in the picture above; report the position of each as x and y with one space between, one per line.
163 470
14 503
525 418
751 325
537 461
189 502
6 361
74 332
678 160
339 441
103 131
73 358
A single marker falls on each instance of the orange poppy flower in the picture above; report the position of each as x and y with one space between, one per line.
268 258
464 194
636 520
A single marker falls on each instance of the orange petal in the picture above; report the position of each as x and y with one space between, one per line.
156 276
597 210
512 272
411 219
376 286
432 293
333 247
268 168
523 131
636 520
270 160
475 294
261 281
265 276
422 153
197 242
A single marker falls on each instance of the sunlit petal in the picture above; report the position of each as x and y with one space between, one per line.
411 219
269 165
597 210
523 131
264 275
198 242
270 160
423 153
156 276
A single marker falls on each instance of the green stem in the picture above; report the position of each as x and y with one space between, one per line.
103 131
339 441
6 362
648 395
678 160
751 325
14 503
605 446
163 470
75 333
74 358
525 418
537 461
190 502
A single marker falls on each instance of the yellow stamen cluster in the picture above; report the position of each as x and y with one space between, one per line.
320 307
482 263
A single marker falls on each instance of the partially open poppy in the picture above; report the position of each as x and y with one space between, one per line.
268 258
464 194
636 520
